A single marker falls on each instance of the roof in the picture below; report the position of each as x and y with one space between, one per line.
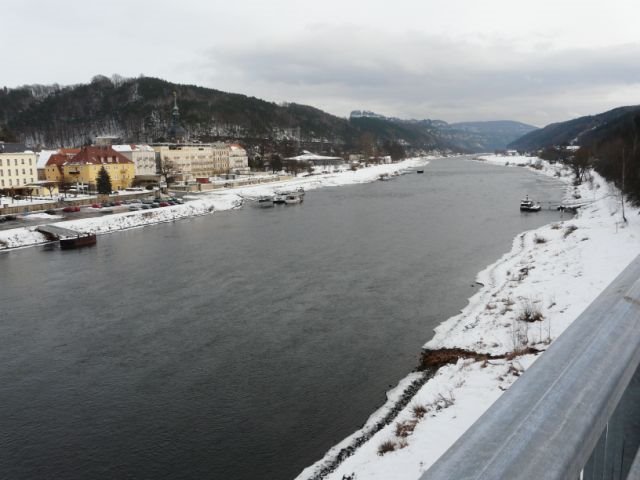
68 151
98 156
7 147
132 148
43 158
307 155
57 159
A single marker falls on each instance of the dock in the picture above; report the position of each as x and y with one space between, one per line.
54 232
68 238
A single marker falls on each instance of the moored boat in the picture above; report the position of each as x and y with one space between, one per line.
82 240
265 202
528 205
293 198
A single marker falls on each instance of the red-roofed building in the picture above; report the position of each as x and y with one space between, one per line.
84 167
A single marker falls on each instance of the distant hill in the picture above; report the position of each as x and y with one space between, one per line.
579 131
139 110
492 135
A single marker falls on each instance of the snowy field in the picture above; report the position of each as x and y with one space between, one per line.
551 275
204 203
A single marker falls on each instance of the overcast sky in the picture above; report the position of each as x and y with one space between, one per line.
537 61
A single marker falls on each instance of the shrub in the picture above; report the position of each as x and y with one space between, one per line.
404 429
538 239
386 447
529 312
419 411
569 230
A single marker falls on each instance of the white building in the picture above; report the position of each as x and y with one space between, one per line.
143 157
194 161
18 169
238 159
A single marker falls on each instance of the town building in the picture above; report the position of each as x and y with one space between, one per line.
238 159
143 158
18 169
83 167
192 161
53 167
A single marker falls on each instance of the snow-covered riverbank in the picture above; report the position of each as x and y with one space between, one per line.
202 204
549 277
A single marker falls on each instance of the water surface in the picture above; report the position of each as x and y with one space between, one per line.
243 344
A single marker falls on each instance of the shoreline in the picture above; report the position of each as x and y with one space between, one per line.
552 271
202 204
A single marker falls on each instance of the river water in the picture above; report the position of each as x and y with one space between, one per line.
244 344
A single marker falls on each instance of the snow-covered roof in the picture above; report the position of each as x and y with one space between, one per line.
307 155
43 157
132 148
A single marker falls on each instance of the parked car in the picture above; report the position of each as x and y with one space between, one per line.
50 212
71 208
145 206
134 208
165 204
96 205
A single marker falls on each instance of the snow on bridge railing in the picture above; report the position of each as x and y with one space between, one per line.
577 409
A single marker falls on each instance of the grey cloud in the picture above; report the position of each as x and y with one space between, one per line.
424 76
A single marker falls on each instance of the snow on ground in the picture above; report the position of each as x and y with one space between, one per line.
202 204
557 271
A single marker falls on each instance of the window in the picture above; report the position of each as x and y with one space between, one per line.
29 161
10 183
23 172
22 161
0 162
1 173
2 182
15 162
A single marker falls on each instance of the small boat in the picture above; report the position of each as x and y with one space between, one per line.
82 240
419 171
265 202
384 177
106 210
527 205
293 198
279 197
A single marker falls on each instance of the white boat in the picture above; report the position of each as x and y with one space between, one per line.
265 202
527 205
293 198
384 177
279 197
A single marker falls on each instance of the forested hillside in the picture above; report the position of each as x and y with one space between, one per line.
139 110
579 131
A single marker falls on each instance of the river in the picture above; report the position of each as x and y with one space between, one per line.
243 344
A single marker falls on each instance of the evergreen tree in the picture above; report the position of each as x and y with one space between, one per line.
103 182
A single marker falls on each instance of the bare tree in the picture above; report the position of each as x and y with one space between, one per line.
168 171
581 162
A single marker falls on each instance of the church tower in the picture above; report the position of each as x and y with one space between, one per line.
176 134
